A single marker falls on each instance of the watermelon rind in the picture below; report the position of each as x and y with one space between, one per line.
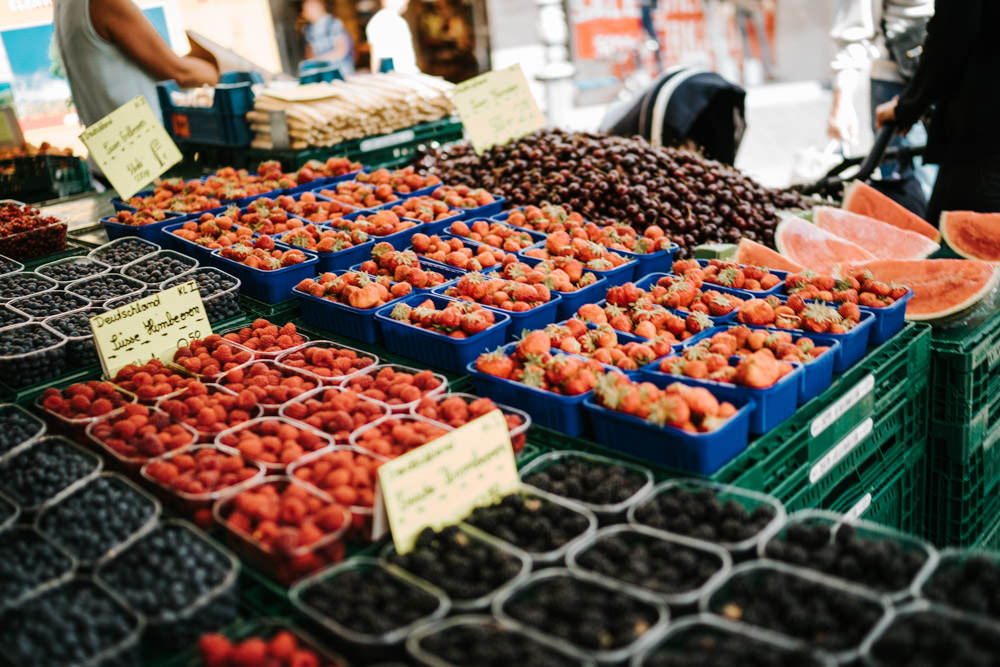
944 226
854 188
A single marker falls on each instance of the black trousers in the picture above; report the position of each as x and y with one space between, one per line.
966 186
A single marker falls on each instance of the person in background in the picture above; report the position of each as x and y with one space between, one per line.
861 31
389 37
326 37
957 75
112 53
653 42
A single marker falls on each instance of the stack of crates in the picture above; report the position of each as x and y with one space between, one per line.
963 493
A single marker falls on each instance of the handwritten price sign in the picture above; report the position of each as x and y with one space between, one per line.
497 107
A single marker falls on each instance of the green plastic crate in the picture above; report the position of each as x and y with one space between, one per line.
43 177
990 541
962 504
965 370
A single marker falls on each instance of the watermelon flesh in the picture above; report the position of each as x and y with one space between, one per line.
972 235
865 200
941 287
814 248
751 253
881 239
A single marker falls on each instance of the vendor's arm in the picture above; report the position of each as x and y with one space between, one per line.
123 24
854 34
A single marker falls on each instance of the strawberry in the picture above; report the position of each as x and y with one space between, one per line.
495 363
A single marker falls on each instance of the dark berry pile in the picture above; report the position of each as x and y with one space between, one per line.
580 479
23 284
462 566
47 467
97 517
101 288
649 562
76 269
972 585
700 514
7 510
17 426
80 348
9 317
67 625
585 614
880 564
372 602
46 304
28 560
212 282
827 616
490 645
8 265
158 267
531 523
18 366
706 646
118 302
927 639
124 251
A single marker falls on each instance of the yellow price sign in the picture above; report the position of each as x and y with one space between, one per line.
497 107
439 483
150 328
131 146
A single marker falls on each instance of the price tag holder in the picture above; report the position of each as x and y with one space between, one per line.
150 328
439 483
131 146
497 107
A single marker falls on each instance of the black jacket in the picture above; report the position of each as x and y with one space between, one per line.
959 73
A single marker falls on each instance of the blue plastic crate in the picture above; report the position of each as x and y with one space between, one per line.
222 124
560 413
450 273
269 286
772 405
757 294
701 453
433 348
151 232
888 321
616 276
340 318
660 261
366 209
399 240
340 260
536 318
438 226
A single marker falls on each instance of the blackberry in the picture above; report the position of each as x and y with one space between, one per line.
66 625
464 567
167 573
74 269
706 645
483 642
701 513
97 517
24 284
28 560
47 304
369 599
75 326
7 265
880 564
31 353
211 285
8 317
532 523
17 427
101 288
45 469
162 265
970 583
123 251
589 616
650 562
587 481
934 639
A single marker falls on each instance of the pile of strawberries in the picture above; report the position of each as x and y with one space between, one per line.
458 319
681 293
459 409
396 386
272 441
282 650
210 410
355 289
360 195
593 255
182 198
306 205
405 180
424 209
402 266
553 218
83 400
214 231
265 216
861 289
601 344
271 383
379 223
462 196
327 360
264 338
727 274
394 436
495 234
691 409
263 255
646 319
314 169
454 252
335 411
138 432
517 297
795 313
211 356
624 237
533 364
146 215
323 240
150 380
756 370
742 341
570 278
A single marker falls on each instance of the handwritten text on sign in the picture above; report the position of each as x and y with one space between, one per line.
439 483
496 107
131 146
152 327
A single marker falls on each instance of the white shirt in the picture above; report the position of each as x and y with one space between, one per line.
389 36
857 31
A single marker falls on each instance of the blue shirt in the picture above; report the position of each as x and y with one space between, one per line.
323 36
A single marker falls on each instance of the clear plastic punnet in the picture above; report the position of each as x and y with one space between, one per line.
120 252
69 269
33 496
29 544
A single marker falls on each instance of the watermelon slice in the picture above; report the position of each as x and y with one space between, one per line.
941 287
972 235
816 249
754 254
865 200
881 239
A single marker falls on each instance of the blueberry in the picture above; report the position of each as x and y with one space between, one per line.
97 517
489 644
530 522
158 267
80 347
74 269
101 288
710 646
8 265
123 251
211 285
31 353
43 470
66 625
46 304
700 514
24 284
590 482
933 639
28 560
16 427
9 317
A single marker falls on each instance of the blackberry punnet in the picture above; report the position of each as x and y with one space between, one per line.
46 304
212 283
23 284
67 272
970 583
28 560
8 317
101 288
704 645
31 353
158 267
488 644
45 469
124 251
701 514
16 427
595 483
933 639
532 523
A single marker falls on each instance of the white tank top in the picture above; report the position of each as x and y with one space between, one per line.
101 77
